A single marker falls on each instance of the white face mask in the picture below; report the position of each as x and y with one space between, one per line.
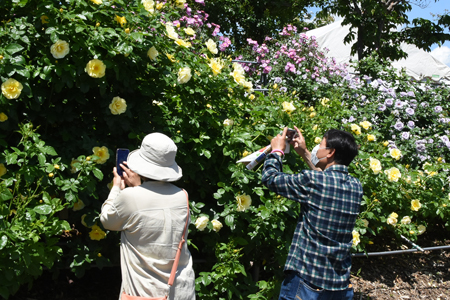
314 159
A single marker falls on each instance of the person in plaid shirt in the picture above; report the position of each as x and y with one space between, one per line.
319 260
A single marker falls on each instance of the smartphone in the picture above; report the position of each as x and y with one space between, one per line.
290 134
121 156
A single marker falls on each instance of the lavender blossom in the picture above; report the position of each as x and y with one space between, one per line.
382 107
421 148
405 135
410 111
351 119
389 102
411 124
277 80
399 104
399 126
438 109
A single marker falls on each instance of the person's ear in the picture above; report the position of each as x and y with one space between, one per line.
331 154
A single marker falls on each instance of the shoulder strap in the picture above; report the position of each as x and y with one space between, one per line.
180 246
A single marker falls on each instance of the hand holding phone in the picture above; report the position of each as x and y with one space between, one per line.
121 156
290 134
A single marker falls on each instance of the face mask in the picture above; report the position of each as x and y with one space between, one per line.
314 159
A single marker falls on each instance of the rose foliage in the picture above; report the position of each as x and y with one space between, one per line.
82 78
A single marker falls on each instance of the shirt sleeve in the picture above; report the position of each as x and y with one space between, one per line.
110 216
292 186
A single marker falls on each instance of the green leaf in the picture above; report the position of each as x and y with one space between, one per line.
98 174
41 158
3 242
43 209
79 29
241 241
229 220
5 195
13 48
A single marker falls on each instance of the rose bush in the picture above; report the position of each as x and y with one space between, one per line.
162 63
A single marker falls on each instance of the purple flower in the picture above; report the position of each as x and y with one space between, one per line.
324 80
403 94
424 104
399 126
277 80
411 94
283 89
410 111
444 120
422 157
438 109
389 102
399 104
351 119
411 124
413 103
444 138
382 107
344 121
430 141
421 148
200 1
405 135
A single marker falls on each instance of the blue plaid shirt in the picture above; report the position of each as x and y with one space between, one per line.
330 201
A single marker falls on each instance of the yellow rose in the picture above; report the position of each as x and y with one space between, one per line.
243 202
149 5
371 138
95 68
366 125
121 20
212 47
201 223
375 165
405 220
11 88
238 76
324 102
97 233
152 53
171 57
315 127
395 153
355 129
159 6
97 24
392 219
184 75
251 97
228 122
217 225
421 229
366 223
189 31
171 33
385 143
102 153
59 49
180 42
127 30
317 140
216 64
275 86
245 153
312 115
97 1
118 106
3 117
44 19
247 85
356 239
288 107
3 170
415 205
79 205
393 174
180 3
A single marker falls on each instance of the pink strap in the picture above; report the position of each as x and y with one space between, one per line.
180 246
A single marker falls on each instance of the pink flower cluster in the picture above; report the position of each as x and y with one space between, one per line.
226 42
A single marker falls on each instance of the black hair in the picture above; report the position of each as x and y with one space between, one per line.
344 145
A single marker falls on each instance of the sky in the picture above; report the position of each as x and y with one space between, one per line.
440 53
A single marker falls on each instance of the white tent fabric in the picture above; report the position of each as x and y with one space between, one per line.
419 64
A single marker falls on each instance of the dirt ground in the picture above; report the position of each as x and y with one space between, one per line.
404 276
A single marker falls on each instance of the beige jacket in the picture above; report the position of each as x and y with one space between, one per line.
152 218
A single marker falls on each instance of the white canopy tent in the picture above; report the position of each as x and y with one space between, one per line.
419 64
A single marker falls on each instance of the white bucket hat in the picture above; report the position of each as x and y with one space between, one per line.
156 158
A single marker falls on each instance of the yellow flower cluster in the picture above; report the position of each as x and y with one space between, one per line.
243 202
371 138
366 125
121 20
183 43
97 233
98 2
239 77
171 33
395 153
392 219
189 31
324 102
180 3
406 220
415 205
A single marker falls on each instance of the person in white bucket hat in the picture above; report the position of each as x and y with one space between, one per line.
151 217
